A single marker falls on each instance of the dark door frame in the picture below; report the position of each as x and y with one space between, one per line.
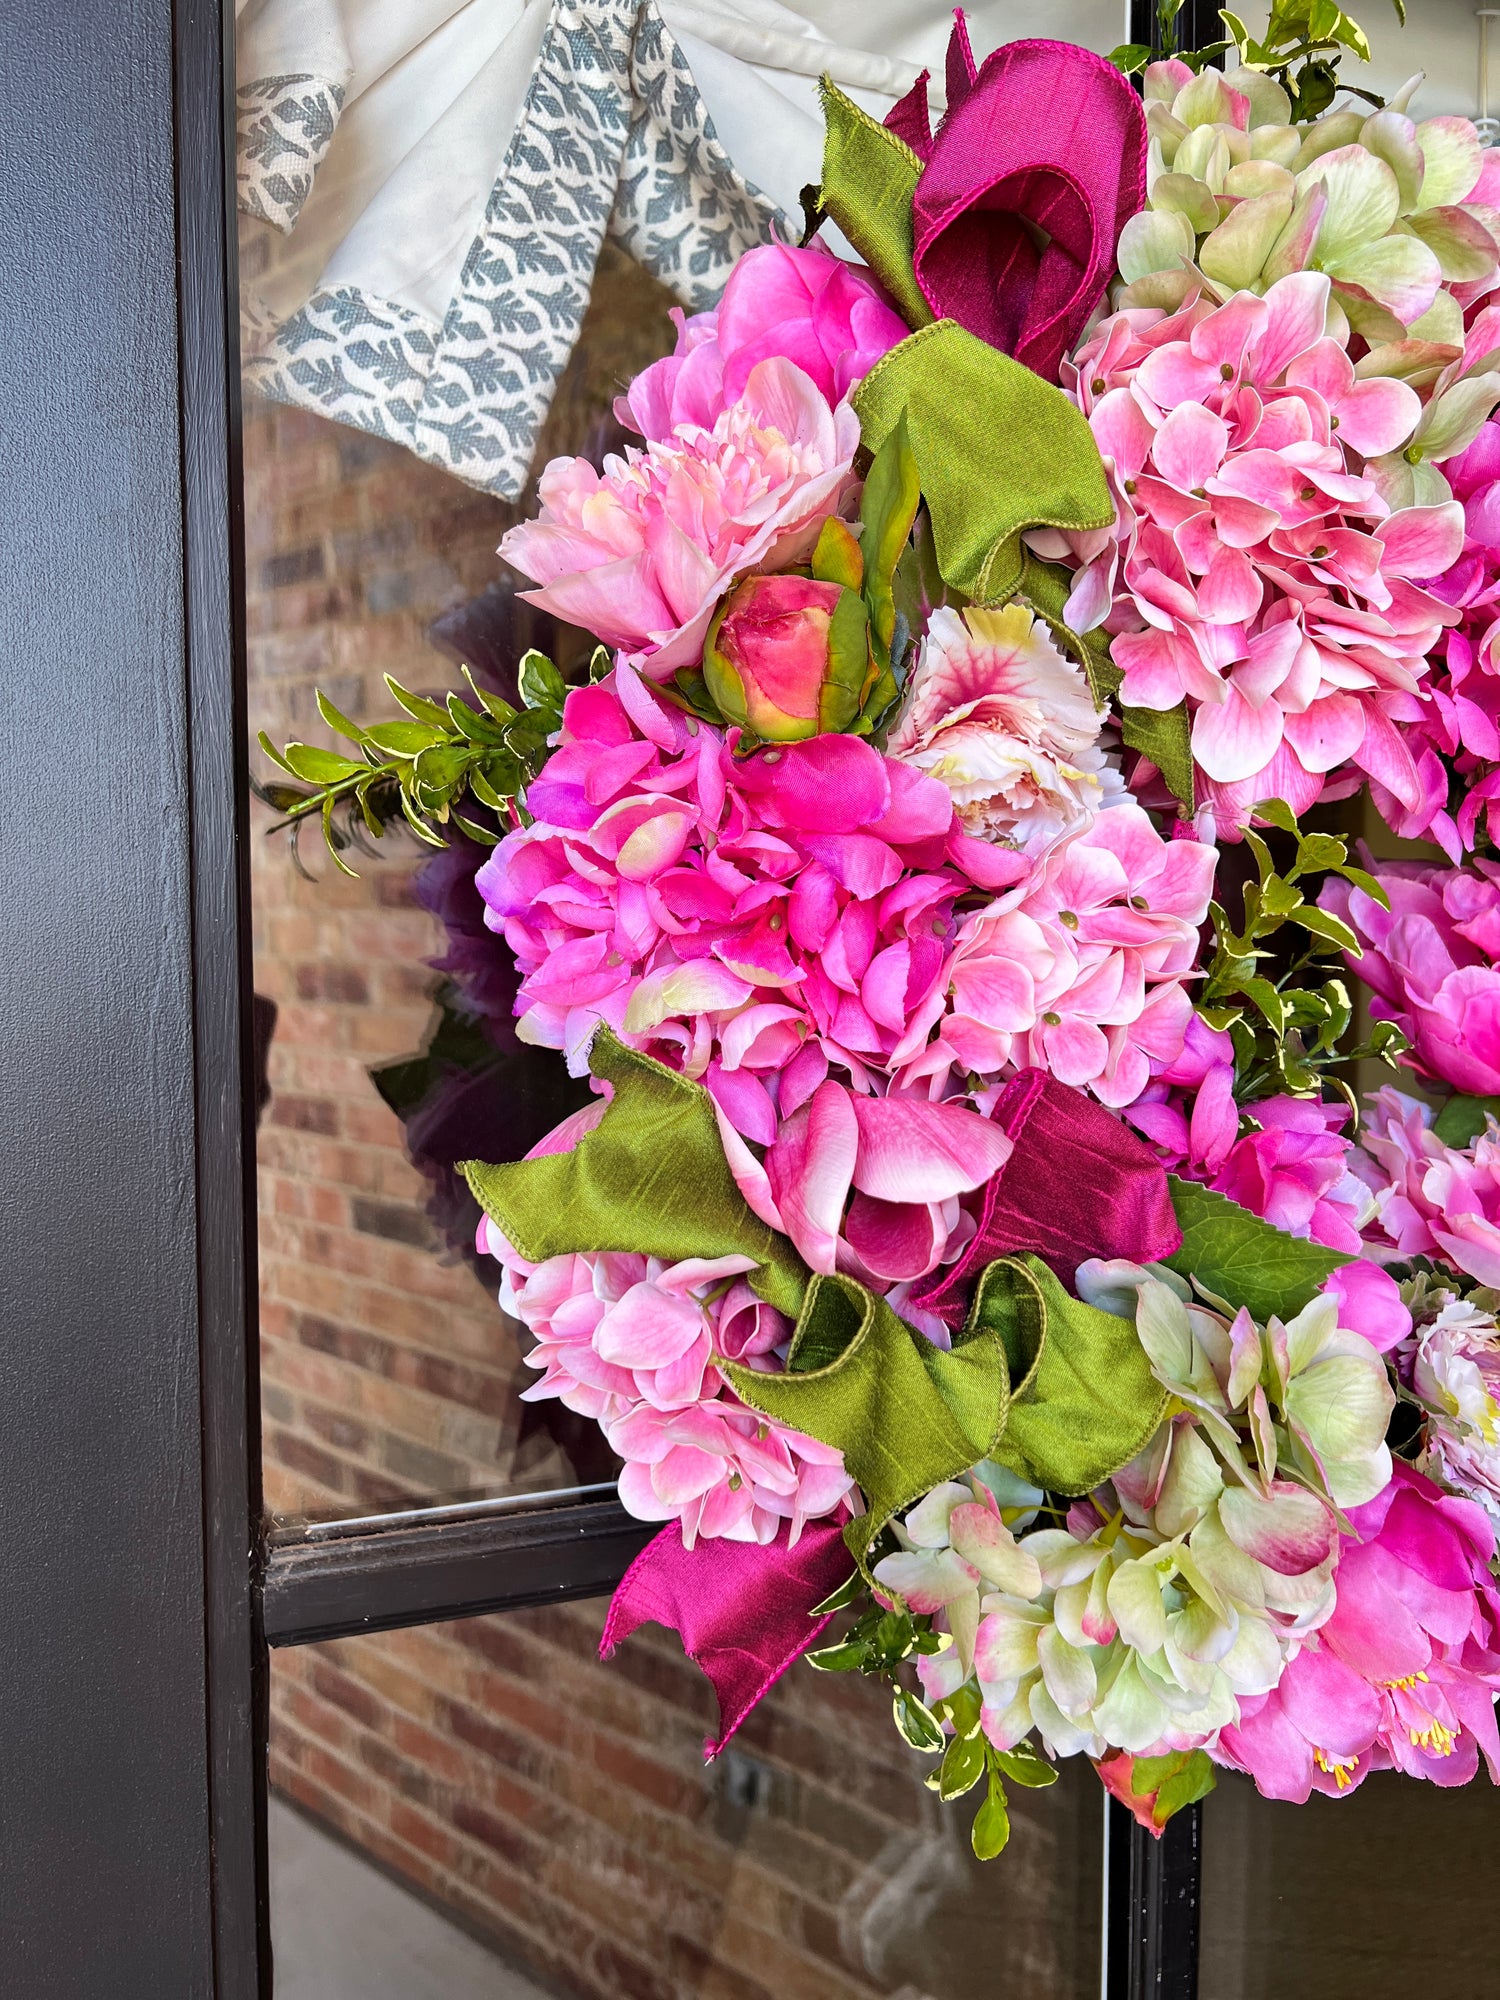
133 1661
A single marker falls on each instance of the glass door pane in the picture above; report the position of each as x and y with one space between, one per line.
560 1811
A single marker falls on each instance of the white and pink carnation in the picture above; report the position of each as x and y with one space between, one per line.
999 716
634 1343
1254 569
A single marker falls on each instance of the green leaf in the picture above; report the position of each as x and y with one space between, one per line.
840 1659
600 663
418 706
272 752
837 557
887 509
337 720
847 1593
1242 1259
963 1708
1165 736
1366 882
542 686
1262 994
491 703
1318 852
407 739
1024 1765
1324 924
1462 1119
1131 57
963 1766
1194 1780
917 1723
1276 812
991 1829
320 767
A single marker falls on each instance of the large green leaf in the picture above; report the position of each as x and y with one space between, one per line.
1242 1259
1462 1119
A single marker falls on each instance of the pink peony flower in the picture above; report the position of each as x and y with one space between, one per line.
996 713
1403 1675
632 1343
1456 738
1429 960
641 553
1079 972
1431 1200
805 306
1254 570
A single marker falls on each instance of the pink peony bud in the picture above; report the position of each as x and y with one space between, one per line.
787 657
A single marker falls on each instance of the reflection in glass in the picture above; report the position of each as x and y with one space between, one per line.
384 1033
1357 1898
563 1810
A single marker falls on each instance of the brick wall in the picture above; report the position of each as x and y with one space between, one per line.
558 1807
562 1810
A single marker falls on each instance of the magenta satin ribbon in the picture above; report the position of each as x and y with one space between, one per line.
743 1608
1079 1184
1042 137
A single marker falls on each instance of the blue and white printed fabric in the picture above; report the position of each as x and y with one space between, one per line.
446 175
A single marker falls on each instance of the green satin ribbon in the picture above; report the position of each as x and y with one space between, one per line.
1083 1400
905 1414
652 1178
998 451
869 178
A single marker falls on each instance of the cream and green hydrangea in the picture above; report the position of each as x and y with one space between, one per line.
1190 1578
1396 212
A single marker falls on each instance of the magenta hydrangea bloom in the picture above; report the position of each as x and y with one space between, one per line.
1291 1167
807 306
632 1342
758 922
1254 570
1403 1675
1429 960
1456 739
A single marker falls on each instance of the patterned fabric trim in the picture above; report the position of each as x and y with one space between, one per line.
284 128
613 136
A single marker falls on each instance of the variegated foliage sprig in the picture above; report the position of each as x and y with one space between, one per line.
1316 34
877 1645
422 767
1290 1028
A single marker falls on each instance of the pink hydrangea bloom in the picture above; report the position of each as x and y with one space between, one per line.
632 1342
1080 972
758 921
807 306
1403 1675
1452 1366
1254 569
641 553
1431 1200
1291 1167
1429 960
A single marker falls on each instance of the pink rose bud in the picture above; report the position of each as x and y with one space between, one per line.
787 657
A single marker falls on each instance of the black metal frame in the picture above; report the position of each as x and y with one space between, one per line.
1197 25
132 1735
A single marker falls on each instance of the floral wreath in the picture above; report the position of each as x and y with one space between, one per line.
971 1244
